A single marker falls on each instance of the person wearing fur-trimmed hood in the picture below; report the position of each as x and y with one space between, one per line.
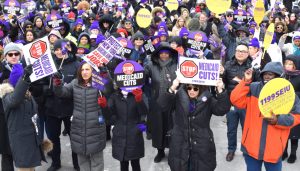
21 115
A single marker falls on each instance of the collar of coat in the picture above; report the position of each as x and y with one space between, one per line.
5 88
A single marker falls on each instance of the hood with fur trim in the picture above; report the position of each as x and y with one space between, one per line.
5 88
156 10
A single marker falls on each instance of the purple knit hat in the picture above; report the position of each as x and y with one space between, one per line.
162 33
183 32
95 25
254 42
78 21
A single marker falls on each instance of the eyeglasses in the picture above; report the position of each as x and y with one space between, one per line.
279 27
13 54
194 88
229 15
139 39
241 51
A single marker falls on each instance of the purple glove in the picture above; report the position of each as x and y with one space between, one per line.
213 42
142 127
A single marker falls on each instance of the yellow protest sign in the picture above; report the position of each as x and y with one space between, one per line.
218 6
268 38
172 5
259 11
278 95
143 18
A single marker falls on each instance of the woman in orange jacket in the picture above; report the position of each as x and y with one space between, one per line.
263 139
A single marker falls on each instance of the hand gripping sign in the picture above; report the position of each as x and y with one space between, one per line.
39 55
199 71
129 75
277 96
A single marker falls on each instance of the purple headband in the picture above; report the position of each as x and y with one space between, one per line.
164 51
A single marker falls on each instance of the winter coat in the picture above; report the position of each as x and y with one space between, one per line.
191 137
56 106
229 40
19 110
4 142
39 32
160 101
234 69
260 139
289 48
88 135
127 140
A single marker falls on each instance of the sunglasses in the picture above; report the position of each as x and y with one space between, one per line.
13 54
139 39
229 15
29 26
194 88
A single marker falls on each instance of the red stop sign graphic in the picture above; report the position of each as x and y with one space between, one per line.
38 49
128 68
188 69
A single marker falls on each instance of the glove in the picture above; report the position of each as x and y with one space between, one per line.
138 94
102 101
58 75
27 72
142 127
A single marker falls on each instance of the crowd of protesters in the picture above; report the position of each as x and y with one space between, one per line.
172 114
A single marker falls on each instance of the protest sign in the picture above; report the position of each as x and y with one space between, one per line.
143 18
197 41
28 6
148 46
268 38
126 49
172 5
65 7
39 55
54 21
98 82
11 7
104 53
199 71
129 75
278 96
218 6
259 11
240 16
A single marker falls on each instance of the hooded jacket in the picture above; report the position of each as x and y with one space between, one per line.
260 139
19 112
39 32
289 48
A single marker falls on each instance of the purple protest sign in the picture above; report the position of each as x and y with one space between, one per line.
54 20
11 7
65 7
29 6
197 41
129 75
240 16
127 47
98 82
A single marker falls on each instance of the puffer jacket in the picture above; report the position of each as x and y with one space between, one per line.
260 139
19 110
88 135
191 137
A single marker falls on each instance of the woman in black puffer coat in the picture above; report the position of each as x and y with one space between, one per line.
192 146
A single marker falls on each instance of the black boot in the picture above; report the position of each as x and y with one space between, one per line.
292 158
285 153
160 155
294 146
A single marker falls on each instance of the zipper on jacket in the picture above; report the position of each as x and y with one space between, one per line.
85 121
189 132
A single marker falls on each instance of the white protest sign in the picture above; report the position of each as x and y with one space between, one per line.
39 55
104 53
199 71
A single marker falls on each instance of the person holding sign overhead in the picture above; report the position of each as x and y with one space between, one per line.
192 146
264 138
